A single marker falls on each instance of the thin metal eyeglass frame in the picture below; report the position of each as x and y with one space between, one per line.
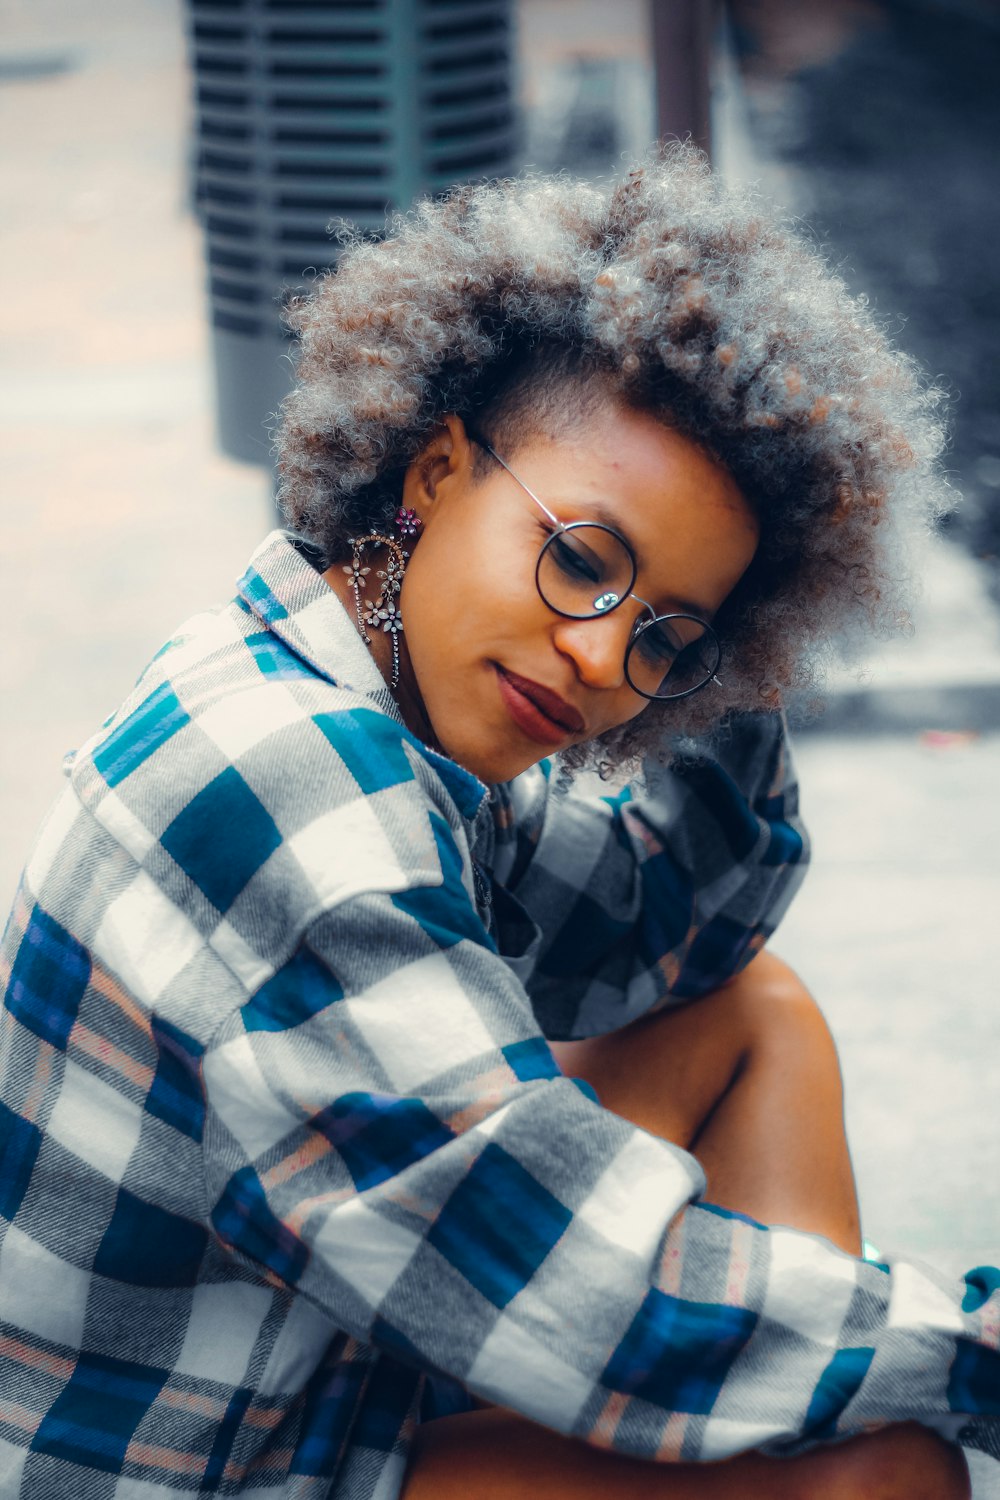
640 625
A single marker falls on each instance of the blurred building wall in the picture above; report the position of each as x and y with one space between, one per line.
885 115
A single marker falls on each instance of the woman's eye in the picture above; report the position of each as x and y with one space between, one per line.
658 644
576 560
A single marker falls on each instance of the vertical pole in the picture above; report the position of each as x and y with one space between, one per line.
407 166
682 45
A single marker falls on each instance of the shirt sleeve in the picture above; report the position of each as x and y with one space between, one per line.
658 895
388 1135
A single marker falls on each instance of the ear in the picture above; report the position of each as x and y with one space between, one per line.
444 462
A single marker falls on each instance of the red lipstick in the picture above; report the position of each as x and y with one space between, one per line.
537 711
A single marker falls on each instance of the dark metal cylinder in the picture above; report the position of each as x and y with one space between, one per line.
309 112
683 32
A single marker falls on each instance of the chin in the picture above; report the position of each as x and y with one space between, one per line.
460 730
491 763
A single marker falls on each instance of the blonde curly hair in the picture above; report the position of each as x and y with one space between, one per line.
520 302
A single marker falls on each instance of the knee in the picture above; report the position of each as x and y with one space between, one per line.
779 1018
767 986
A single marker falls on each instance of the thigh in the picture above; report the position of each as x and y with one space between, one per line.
496 1455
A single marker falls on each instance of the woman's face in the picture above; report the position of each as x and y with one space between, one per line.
479 640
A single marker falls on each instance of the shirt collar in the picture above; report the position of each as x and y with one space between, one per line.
297 605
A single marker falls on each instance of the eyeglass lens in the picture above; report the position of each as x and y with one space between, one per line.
585 570
672 656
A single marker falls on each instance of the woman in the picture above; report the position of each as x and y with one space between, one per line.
291 1171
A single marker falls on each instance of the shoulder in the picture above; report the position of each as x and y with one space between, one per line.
257 793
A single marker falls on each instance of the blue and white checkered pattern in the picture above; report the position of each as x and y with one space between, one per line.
285 1160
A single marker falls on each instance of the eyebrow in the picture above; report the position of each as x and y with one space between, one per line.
599 510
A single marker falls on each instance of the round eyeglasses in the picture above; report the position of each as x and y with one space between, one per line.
586 569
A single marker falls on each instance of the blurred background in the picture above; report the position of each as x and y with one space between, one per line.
172 168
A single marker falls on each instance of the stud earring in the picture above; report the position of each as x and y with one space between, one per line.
408 523
381 613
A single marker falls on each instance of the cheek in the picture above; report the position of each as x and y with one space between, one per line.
466 593
426 602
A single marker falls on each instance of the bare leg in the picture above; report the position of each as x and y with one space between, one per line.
747 1079
495 1455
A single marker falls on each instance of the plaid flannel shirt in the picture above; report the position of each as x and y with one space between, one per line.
285 1161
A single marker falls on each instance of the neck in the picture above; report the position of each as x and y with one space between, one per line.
406 692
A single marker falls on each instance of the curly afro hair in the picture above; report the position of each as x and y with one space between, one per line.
514 304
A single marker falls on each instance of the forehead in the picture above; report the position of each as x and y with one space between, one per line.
634 472
691 529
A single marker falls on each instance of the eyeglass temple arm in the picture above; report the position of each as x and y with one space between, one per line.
482 443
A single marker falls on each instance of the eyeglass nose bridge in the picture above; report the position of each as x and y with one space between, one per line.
640 622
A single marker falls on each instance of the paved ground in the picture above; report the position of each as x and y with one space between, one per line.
118 518
896 932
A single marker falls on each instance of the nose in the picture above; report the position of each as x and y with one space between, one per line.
597 646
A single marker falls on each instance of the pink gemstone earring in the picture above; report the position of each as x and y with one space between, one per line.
408 523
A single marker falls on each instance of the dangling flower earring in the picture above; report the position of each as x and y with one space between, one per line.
382 613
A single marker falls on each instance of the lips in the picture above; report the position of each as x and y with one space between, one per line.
540 712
